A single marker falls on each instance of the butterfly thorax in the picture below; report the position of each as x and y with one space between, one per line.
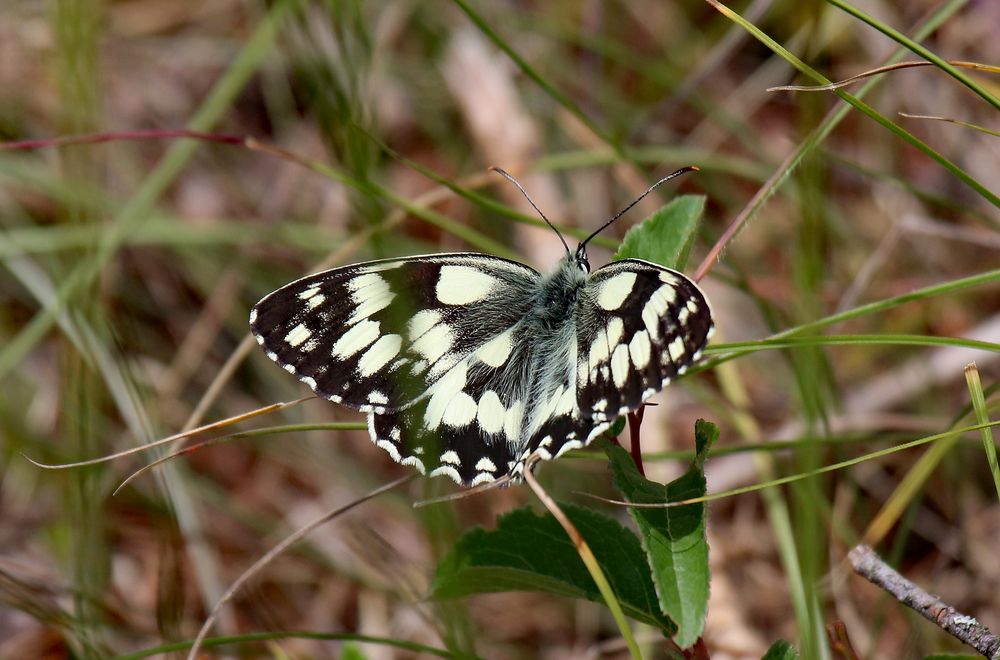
557 295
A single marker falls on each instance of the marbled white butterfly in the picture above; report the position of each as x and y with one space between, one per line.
467 364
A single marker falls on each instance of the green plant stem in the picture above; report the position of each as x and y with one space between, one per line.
588 560
923 52
857 103
982 416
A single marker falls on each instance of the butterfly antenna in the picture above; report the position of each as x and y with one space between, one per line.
535 206
683 170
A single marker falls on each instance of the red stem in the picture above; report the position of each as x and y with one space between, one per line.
634 422
96 138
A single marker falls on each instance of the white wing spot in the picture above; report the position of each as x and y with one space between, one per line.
378 268
676 349
316 301
483 478
682 316
491 412
615 290
371 293
381 352
362 281
566 402
496 351
451 457
568 445
415 462
485 465
462 285
297 335
355 339
377 397
310 382
253 315
668 294
395 434
460 411
290 368
308 293
434 343
692 305
619 365
639 348
512 421
598 350
616 329
651 320
444 390
421 322
449 471
389 447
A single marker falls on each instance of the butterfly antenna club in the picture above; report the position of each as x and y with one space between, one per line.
672 175
530 201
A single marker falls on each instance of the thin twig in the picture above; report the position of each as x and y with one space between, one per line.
870 566
271 554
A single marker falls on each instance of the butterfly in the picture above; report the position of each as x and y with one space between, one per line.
468 364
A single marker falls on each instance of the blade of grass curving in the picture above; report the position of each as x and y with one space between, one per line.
135 211
211 642
271 430
467 234
920 50
976 66
979 279
857 103
587 556
816 137
982 416
833 467
529 71
655 155
950 120
222 423
273 553
737 349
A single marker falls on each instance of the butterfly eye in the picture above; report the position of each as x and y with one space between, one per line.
584 264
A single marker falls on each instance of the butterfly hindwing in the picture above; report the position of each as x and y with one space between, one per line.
469 425
377 335
640 325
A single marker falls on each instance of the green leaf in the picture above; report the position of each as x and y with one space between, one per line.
781 650
665 237
352 651
528 552
673 538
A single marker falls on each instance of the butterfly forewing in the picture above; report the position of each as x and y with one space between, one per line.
378 335
640 326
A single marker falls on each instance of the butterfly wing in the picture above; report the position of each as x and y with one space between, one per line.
640 325
377 336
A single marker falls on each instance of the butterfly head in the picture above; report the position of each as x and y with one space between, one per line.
580 258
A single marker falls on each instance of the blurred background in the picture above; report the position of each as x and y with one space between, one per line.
129 268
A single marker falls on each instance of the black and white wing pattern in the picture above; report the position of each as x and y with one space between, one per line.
467 364
641 325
